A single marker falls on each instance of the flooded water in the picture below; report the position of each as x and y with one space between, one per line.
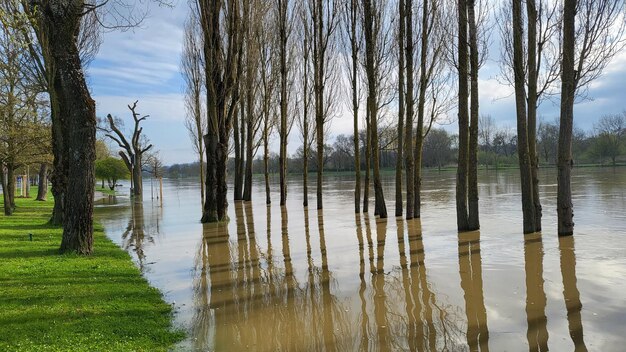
291 279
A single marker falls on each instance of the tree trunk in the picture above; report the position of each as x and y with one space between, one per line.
59 164
522 133
42 192
401 104
368 156
221 174
283 101
568 87
247 189
355 106
532 109
209 211
461 175
59 23
137 176
372 105
238 191
8 189
421 103
408 152
473 219
266 156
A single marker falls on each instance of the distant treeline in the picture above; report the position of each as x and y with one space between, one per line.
497 148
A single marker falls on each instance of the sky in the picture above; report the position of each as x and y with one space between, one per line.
143 64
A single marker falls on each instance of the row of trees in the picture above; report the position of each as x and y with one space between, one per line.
270 65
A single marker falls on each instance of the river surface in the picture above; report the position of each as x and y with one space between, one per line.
292 279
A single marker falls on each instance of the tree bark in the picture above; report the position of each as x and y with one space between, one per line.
59 164
247 189
461 175
59 22
266 157
42 192
408 152
473 219
283 99
237 138
532 109
528 210
368 164
421 103
8 189
401 104
372 104
565 211
355 104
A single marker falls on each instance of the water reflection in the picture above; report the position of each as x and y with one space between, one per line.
537 333
137 235
470 269
297 279
570 292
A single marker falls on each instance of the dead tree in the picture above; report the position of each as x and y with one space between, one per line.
133 150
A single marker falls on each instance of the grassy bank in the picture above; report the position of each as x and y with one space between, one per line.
53 302
105 190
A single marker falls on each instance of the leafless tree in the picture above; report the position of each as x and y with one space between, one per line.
192 64
325 18
222 34
133 150
593 33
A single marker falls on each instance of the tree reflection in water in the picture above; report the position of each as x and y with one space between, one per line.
537 333
137 234
248 296
470 269
570 292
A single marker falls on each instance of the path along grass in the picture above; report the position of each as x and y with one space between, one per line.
54 302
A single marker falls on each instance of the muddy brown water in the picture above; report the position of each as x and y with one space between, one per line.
291 279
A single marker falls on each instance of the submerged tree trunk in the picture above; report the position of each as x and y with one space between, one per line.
421 105
266 157
238 141
42 192
408 152
473 218
247 189
368 167
282 29
372 104
528 210
355 104
401 104
532 109
461 175
568 89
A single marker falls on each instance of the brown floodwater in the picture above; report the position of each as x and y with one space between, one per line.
294 279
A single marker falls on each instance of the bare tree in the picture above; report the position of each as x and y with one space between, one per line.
222 34
377 43
401 104
324 15
523 140
192 63
593 32
352 36
410 110
305 124
133 150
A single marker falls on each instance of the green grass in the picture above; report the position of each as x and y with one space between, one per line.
54 302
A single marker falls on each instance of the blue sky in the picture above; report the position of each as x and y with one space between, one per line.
143 64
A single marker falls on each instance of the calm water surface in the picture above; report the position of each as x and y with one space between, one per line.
291 279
